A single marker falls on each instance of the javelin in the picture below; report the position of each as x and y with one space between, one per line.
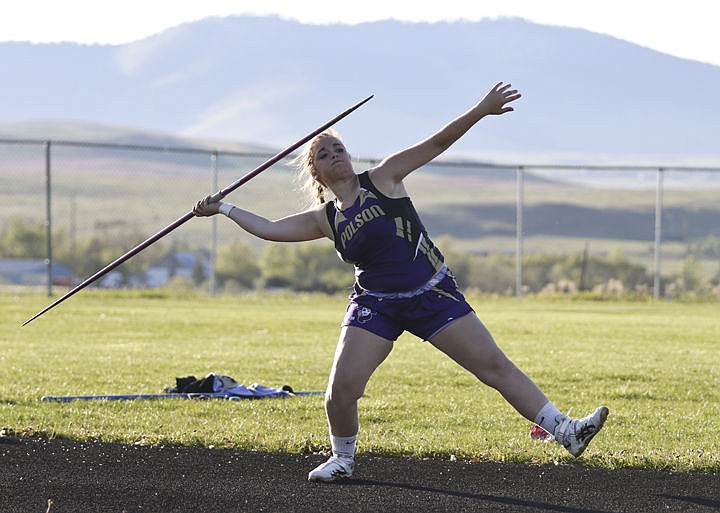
215 197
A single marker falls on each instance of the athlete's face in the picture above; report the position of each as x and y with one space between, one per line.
330 159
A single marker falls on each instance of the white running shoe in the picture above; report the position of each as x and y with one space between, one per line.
575 434
332 469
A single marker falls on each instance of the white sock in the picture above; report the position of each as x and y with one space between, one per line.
545 418
343 446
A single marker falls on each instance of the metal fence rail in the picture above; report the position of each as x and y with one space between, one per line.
84 185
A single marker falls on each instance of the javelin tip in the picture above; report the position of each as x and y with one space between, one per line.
41 312
31 319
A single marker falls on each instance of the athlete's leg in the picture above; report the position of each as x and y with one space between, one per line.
358 354
468 342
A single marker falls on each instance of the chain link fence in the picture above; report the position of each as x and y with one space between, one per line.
68 208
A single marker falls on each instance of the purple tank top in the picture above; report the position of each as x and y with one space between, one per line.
385 241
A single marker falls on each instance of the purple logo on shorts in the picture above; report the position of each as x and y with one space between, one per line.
364 314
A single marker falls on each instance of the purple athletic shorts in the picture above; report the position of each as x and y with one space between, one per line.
423 315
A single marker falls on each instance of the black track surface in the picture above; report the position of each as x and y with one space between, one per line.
83 477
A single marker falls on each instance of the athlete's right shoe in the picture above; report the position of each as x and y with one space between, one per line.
575 434
332 469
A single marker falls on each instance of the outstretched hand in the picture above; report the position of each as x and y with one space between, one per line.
496 100
206 207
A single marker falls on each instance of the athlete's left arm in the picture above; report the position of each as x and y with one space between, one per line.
388 175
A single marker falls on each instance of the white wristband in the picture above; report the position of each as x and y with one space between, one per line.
226 208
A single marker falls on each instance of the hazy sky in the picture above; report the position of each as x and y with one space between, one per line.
686 28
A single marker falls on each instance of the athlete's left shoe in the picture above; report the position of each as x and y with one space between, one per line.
575 434
334 468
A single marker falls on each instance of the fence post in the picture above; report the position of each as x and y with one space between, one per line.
48 221
520 193
214 229
658 233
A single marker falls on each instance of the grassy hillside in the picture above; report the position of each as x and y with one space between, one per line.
101 189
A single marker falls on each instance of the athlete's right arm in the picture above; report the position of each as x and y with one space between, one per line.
293 228
308 225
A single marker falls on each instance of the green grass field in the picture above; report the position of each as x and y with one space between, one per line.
654 364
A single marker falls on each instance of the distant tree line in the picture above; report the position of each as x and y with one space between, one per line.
315 266
20 238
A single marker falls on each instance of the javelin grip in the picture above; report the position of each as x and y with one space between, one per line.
215 197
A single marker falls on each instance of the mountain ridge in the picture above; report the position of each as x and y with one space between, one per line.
266 81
